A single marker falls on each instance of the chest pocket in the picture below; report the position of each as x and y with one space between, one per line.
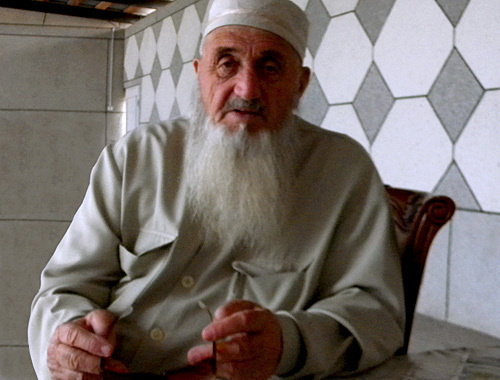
271 288
149 250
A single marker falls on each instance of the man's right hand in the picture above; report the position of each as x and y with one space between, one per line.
78 348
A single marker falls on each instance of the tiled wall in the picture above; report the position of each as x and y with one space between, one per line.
417 83
54 121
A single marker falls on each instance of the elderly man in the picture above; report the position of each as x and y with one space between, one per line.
280 226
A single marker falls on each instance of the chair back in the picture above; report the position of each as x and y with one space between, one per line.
418 216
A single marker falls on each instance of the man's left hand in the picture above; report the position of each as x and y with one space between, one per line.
249 342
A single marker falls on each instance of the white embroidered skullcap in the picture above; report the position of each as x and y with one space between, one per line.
281 17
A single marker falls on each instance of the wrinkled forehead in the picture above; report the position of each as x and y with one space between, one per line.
237 39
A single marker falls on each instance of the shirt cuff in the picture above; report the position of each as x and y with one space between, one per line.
291 343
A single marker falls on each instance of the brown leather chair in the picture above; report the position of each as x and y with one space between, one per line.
418 216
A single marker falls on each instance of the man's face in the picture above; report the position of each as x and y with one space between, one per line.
249 78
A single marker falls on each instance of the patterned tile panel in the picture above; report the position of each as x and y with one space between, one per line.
455 94
177 65
477 152
456 187
343 119
373 102
343 59
167 42
185 88
301 3
189 33
131 58
478 40
201 7
147 99
413 46
337 7
156 72
313 105
165 98
453 9
373 15
147 51
318 22
412 150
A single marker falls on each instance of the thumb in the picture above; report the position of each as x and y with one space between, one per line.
101 322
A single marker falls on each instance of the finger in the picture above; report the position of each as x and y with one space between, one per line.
66 374
199 354
246 321
101 322
77 360
72 334
233 307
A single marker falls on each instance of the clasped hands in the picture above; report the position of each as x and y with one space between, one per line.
249 346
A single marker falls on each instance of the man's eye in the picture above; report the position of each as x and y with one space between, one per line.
271 68
226 67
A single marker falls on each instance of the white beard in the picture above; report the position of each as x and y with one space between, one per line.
240 186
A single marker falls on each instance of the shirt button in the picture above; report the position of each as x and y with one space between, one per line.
156 334
187 281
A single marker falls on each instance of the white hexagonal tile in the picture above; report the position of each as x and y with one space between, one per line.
301 3
165 95
185 85
336 7
343 119
413 46
166 42
478 39
131 58
147 51
412 149
189 33
343 59
147 99
477 152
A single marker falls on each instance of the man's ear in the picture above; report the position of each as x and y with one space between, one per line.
304 79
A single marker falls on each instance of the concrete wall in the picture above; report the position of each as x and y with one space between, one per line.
54 121
417 83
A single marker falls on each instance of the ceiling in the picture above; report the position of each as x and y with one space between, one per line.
117 10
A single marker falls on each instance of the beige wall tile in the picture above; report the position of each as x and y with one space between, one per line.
15 364
18 16
45 161
26 248
53 73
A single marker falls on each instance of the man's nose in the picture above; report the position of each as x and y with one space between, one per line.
247 84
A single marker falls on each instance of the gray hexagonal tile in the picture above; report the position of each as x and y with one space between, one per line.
454 185
338 7
156 72
165 95
313 105
318 21
302 4
455 94
373 102
373 15
176 65
453 9
201 7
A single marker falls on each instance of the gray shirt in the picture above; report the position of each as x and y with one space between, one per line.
134 248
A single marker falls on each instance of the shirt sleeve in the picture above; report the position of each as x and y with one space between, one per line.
85 265
357 318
